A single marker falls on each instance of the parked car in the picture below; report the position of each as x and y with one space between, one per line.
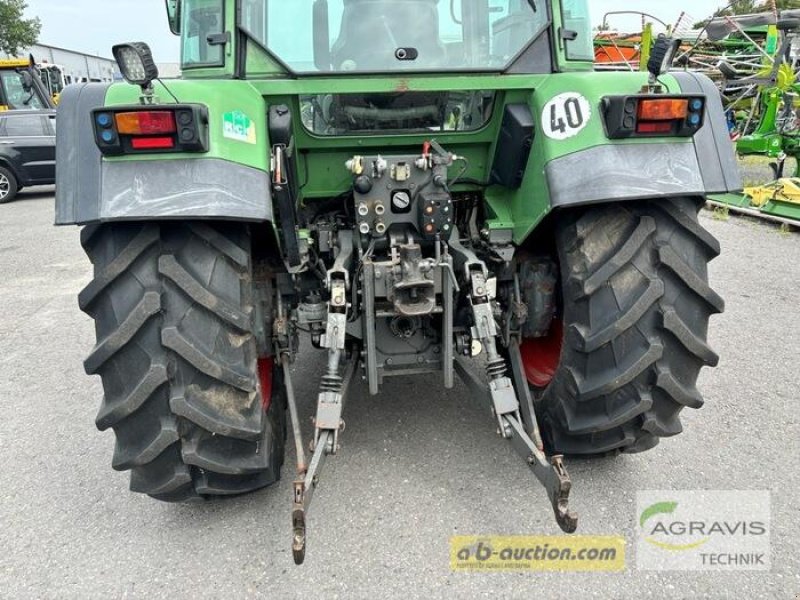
27 150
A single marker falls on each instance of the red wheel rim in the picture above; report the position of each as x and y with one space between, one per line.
266 367
541 356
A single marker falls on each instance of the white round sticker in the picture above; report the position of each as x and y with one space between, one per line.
566 115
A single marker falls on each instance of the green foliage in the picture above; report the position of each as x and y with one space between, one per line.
721 213
746 7
749 7
17 32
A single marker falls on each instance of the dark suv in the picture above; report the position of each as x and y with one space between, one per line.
27 150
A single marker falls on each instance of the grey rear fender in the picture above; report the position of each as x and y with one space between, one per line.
700 166
93 190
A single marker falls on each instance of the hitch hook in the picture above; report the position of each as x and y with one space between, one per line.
567 519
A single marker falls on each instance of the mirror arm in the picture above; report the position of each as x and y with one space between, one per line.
322 41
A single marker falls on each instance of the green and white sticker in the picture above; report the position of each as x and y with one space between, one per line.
566 115
238 126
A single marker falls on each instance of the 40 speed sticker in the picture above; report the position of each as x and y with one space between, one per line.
566 115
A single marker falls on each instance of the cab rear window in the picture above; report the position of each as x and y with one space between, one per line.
202 18
577 19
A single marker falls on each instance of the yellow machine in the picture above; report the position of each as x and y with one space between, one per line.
53 78
778 201
783 190
21 86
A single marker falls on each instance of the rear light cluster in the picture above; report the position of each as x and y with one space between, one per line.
649 116
150 129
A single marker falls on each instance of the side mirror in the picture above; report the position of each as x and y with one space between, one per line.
322 37
174 16
27 82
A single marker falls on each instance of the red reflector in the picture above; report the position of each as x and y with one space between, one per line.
146 122
654 127
153 143
663 110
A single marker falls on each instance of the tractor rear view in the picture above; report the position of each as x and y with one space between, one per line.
416 186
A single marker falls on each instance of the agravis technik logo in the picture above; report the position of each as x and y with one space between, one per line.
703 530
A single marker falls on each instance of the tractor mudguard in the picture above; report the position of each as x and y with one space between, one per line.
90 189
652 169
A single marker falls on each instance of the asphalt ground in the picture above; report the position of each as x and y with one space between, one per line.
417 465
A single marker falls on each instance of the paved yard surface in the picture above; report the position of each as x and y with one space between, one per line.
417 465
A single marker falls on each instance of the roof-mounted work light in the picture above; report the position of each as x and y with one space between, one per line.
662 55
136 63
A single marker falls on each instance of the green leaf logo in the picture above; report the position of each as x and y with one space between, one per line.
659 508
666 508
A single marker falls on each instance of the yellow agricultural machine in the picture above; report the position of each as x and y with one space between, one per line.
21 86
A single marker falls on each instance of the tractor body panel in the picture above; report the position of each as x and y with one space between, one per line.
231 180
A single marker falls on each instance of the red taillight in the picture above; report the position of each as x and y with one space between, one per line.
153 143
663 110
654 127
653 115
146 122
143 129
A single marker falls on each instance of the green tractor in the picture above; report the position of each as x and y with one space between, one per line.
415 186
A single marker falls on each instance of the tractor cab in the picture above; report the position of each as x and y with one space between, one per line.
21 86
347 37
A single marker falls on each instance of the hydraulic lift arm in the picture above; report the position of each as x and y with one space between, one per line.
511 414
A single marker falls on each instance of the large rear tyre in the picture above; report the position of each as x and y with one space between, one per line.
636 307
185 390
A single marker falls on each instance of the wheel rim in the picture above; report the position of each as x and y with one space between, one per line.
5 186
542 356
